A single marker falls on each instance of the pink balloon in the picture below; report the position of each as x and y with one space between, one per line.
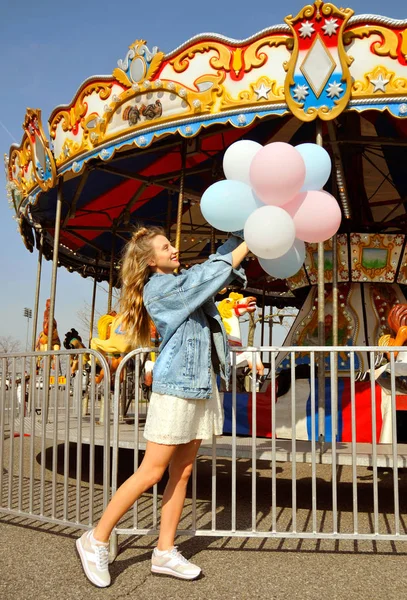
277 173
316 216
294 204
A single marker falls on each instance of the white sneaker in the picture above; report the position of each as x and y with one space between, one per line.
95 559
173 563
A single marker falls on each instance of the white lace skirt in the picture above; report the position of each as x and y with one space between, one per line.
172 420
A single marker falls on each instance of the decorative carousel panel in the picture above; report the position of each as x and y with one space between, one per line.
379 51
375 257
43 164
402 276
251 72
311 260
298 280
73 128
304 331
150 105
318 82
32 164
321 62
20 168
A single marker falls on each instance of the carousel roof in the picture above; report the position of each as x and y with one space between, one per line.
117 151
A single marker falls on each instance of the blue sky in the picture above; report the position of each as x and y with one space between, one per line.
46 50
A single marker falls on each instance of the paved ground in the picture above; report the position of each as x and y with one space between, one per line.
39 560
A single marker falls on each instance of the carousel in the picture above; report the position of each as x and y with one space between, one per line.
142 144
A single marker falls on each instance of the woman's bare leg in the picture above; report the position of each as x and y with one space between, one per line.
150 471
174 494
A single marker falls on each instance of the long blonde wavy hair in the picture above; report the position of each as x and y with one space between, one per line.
135 271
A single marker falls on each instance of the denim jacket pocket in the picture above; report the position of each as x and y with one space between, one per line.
191 357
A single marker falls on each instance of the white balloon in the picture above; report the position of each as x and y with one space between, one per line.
269 232
238 158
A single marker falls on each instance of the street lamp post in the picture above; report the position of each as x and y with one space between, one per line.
28 314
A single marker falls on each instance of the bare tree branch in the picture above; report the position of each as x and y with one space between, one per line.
83 317
9 345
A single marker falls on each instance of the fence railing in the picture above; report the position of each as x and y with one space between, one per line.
290 464
47 411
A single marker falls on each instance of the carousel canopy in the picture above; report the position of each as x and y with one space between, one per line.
143 144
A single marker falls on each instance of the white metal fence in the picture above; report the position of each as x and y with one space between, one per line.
48 443
296 459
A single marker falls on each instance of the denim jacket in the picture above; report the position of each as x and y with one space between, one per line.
183 310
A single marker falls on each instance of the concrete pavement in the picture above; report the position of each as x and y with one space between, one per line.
39 561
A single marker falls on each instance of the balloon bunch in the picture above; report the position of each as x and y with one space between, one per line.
274 193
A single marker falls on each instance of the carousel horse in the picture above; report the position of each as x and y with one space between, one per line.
231 309
112 342
74 341
114 346
397 321
42 341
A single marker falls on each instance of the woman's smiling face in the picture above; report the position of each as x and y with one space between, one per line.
165 259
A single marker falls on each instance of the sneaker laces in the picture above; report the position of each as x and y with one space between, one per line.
178 554
102 557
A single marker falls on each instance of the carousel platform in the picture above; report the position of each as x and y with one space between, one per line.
301 453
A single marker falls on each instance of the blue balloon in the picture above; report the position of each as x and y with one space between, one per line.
287 265
227 204
318 166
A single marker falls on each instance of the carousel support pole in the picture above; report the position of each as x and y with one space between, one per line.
181 196
321 325
53 290
335 337
92 311
37 294
270 331
85 401
110 294
263 307
35 320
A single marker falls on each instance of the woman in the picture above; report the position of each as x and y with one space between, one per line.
185 406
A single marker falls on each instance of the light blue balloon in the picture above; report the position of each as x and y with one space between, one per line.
287 265
318 166
227 204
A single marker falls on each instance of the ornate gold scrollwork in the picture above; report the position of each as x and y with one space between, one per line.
148 62
319 9
388 44
181 62
42 160
255 59
385 80
231 59
71 118
274 93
